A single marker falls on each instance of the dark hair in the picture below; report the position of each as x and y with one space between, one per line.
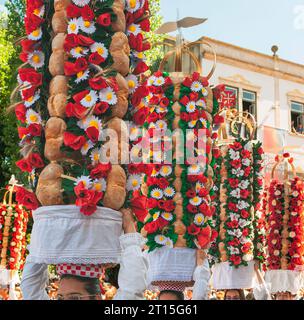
111 276
240 291
92 285
178 295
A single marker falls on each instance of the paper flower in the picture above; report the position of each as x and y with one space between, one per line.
74 25
99 185
108 95
32 117
86 180
90 99
134 182
36 59
157 194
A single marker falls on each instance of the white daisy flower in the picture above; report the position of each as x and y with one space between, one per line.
238 233
87 182
165 171
244 184
30 101
90 99
169 192
39 11
151 81
243 223
238 172
36 59
199 219
192 124
93 121
196 86
157 194
154 173
35 35
159 109
108 95
132 81
196 201
79 52
86 147
194 169
134 182
246 162
95 156
199 186
101 49
236 193
81 3
82 76
169 243
74 25
159 81
242 205
87 26
248 257
201 103
155 216
134 132
161 125
234 216
168 216
99 185
234 155
139 55
203 122
160 239
233 250
191 107
32 117
204 92
134 29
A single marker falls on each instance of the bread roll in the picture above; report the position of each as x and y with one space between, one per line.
118 8
56 63
59 22
120 52
57 105
121 107
59 84
60 5
115 194
49 185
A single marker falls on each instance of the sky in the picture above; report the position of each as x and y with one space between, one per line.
252 24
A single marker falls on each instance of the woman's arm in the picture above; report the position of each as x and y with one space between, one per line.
132 277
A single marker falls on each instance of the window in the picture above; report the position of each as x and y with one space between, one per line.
236 92
297 117
249 102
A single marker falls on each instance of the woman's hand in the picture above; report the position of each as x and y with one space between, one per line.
128 222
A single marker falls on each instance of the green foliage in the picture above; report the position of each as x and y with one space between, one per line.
11 28
155 54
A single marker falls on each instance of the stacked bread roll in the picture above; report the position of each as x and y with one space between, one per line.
179 190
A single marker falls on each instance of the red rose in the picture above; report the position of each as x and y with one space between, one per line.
26 198
152 203
245 194
81 64
96 58
73 11
232 207
236 260
245 232
75 110
69 69
190 194
204 237
80 190
245 214
214 235
163 183
24 165
236 164
168 205
22 131
234 183
140 68
260 151
28 45
35 160
73 141
151 227
193 230
153 117
31 75
104 19
139 207
245 154
236 146
20 112
70 41
184 100
164 102
145 25
98 83
141 115
218 119
234 224
101 108
85 41
192 209
87 13
35 129
88 209
93 134
101 171
247 171
246 247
